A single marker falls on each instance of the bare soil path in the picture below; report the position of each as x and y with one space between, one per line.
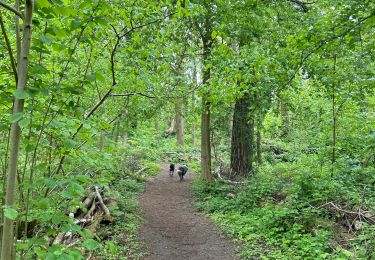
173 230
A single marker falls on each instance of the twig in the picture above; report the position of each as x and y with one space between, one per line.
10 52
141 170
132 94
362 214
16 12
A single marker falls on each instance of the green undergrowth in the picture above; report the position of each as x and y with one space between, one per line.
120 238
277 214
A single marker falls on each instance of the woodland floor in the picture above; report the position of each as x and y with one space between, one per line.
172 228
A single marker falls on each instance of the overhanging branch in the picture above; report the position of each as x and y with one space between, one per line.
132 94
9 8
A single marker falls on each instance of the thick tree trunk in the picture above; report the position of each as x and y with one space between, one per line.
242 139
8 235
179 121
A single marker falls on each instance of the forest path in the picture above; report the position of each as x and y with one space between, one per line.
172 229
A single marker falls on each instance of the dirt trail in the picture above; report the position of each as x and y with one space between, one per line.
172 229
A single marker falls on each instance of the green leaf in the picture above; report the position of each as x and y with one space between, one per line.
43 3
10 213
43 203
91 77
99 76
46 39
25 122
39 69
21 94
86 233
91 244
16 117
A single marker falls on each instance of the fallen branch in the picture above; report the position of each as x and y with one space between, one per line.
101 203
141 170
92 212
362 214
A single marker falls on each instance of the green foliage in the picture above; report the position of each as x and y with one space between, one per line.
308 68
276 215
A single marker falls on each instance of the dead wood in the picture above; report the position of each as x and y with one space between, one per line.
94 210
89 200
141 170
362 214
91 210
101 203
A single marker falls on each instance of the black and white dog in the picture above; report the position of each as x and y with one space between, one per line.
182 170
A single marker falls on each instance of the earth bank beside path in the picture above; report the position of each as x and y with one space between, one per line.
172 230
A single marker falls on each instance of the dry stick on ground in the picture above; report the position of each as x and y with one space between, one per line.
102 205
89 219
141 170
365 215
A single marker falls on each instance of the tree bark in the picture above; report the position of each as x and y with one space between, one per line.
179 121
259 146
334 118
206 113
242 150
8 236
205 118
284 119
206 141
102 141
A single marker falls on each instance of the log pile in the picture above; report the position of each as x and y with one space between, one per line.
93 211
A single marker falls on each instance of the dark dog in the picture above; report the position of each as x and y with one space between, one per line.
171 169
182 170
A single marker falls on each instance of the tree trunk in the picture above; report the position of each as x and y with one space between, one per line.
206 141
242 139
102 141
8 236
284 119
334 116
195 84
259 146
193 134
206 114
157 134
179 121
117 130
